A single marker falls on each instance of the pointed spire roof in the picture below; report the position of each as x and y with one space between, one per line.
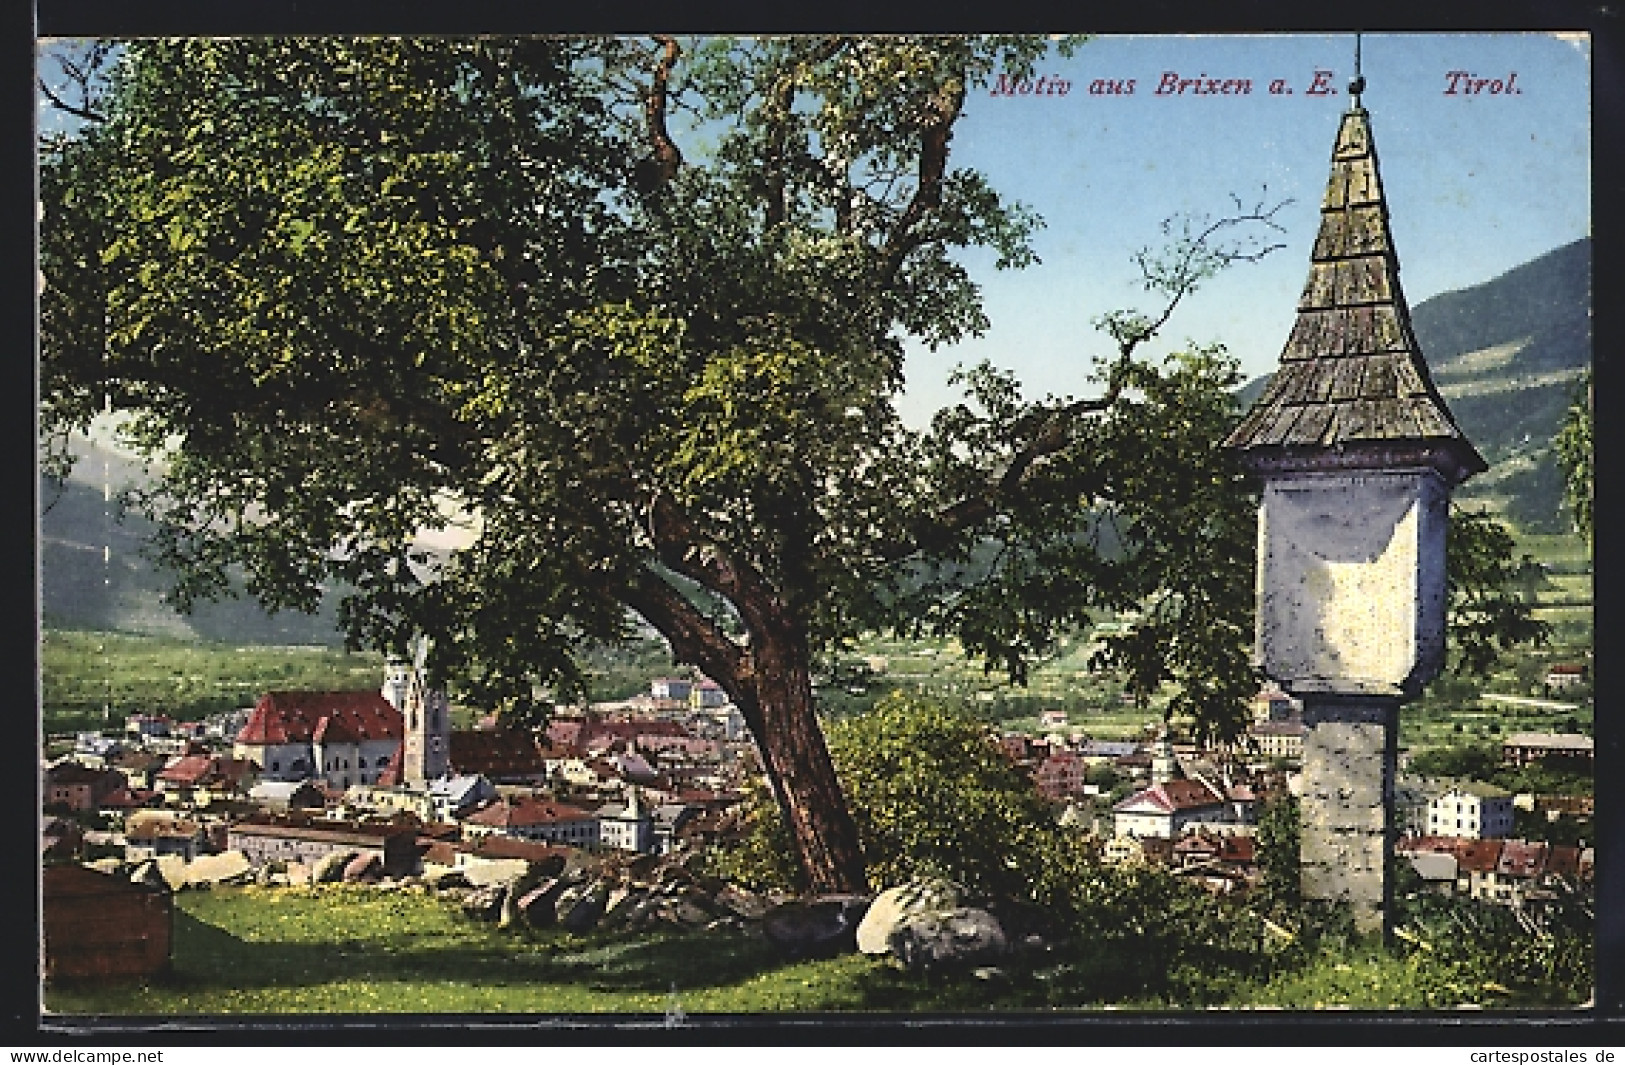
1352 376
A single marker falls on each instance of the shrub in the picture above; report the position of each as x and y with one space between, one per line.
933 795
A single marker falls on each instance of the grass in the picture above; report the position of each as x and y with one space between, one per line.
350 950
336 949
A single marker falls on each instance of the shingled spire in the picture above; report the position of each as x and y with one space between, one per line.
1352 376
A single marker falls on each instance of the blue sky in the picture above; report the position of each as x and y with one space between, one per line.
1476 184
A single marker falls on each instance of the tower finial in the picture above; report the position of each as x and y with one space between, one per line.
1357 86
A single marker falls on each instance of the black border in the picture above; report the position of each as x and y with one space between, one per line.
1604 1025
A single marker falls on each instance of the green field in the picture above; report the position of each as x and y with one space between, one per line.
92 680
349 950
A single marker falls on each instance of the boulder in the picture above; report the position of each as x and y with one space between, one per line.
227 867
485 904
820 927
742 902
496 872
366 866
330 869
964 937
445 879
538 905
643 867
173 869
299 874
896 904
580 907
147 875
110 866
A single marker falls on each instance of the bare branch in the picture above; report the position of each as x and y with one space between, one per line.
1193 258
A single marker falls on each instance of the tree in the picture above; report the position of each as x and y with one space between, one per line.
353 290
1575 454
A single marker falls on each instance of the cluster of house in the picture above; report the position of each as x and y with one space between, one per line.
1195 811
304 774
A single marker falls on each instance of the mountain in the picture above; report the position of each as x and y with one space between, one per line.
1507 356
93 574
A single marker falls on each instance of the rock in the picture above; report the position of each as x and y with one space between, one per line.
147 875
485 904
816 928
544 868
503 872
330 869
896 904
643 866
942 939
742 902
173 869
228 867
366 866
445 880
299 874
580 907
110 866
537 906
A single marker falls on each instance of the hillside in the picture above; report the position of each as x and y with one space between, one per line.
1506 355
93 574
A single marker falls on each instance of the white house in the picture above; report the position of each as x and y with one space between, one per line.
1165 810
627 826
1471 810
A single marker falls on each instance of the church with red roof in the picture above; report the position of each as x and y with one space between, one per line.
340 738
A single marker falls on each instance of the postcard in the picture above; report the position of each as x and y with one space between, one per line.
682 531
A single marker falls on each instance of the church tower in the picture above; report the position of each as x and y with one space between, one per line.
426 744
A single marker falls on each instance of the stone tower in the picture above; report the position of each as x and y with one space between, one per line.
426 742
1358 454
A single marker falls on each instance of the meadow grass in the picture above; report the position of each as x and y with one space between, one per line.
346 950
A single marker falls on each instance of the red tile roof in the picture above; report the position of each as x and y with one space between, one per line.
499 754
300 717
524 811
1479 855
505 847
1173 796
1521 859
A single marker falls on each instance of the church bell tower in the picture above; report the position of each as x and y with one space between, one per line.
426 742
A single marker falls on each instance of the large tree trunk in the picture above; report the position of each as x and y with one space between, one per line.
777 701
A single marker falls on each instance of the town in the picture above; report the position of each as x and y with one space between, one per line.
377 787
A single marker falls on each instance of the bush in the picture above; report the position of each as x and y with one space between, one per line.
933 795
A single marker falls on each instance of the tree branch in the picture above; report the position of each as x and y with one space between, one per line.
1195 258
942 112
666 159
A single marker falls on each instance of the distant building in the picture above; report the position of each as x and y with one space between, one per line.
308 842
1273 704
674 688
1565 675
1278 738
1524 748
707 694
628 826
79 787
1165 810
1060 776
1471 810
536 820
